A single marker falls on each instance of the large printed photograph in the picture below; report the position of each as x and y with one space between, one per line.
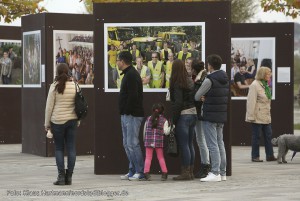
154 47
75 48
247 56
10 63
32 59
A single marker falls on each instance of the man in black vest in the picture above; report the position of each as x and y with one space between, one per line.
132 114
214 92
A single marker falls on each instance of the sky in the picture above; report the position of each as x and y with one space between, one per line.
74 6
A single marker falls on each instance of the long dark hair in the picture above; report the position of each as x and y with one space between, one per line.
62 77
179 75
157 109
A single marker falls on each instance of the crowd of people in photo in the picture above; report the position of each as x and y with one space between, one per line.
243 71
152 61
80 60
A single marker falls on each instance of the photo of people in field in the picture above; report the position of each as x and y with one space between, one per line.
154 47
75 48
10 63
32 59
247 56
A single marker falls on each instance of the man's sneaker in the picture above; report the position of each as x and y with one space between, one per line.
223 178
137 177
211 177
126 176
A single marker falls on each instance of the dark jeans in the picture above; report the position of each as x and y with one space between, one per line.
5 79
185 131
65 135
267 133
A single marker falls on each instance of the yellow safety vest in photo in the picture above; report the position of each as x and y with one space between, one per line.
163 53
119 80
137 53
168 73
143 75
112 58
180 54
156 78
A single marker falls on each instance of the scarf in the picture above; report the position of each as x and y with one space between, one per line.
267 89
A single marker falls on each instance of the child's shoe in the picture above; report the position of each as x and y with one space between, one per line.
164 176
147 176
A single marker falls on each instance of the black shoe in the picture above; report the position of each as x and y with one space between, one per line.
147 176
203 172
68 177
272 158
164 176
256 160
60 178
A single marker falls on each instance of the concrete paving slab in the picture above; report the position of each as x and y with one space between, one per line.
30 177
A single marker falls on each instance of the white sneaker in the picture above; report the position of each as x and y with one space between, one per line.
137 177
223 178
125 177
211 177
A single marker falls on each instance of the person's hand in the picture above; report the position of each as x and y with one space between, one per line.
202 98
46 128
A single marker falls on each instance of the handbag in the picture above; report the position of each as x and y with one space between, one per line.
81 106
172 149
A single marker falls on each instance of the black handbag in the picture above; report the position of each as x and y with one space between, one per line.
81 106
172 149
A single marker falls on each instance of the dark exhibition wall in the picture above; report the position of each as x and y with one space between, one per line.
10 101
273 43
110 156
43 36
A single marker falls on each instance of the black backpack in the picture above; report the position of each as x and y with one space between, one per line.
81 106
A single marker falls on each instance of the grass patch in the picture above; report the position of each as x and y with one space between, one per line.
296 126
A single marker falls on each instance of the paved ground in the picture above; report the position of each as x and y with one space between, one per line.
29 177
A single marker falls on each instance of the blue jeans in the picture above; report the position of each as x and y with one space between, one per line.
5 79
267 133
214 138
204 153
184 130
130 129
64 134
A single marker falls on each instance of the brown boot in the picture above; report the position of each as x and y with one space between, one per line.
185 174
147 176
192 172
164 176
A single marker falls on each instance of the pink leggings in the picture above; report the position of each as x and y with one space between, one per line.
160 157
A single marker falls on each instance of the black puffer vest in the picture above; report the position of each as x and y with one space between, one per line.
216 99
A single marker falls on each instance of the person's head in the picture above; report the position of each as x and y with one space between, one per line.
154 57
197 65
124 60
242 70
171 57
263 73
10 49
139 62
188 65
214 62
5 54
62 75
134 47
233 63
179 74
112 47
185 48
165 45
157 109
193 44
250 62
